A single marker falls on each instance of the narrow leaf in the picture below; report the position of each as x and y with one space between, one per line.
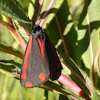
10 66
12 9
60 89
10 50
96 71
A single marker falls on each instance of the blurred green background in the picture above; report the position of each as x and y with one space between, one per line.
10 88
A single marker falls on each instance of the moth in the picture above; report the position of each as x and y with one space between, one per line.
40 60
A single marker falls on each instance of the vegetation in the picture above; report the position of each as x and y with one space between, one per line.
73 26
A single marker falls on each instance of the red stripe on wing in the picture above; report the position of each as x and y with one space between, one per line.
40 41
23 76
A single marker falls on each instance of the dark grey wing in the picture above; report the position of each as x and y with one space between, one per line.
37 71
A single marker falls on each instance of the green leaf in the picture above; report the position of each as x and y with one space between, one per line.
53 10
96 71
96 95
92 9
76 8
10 65
33 9
21 31
90 26
60 89
78 38
12 9
94 31
10 50
61 97
7 72
70 38
88 40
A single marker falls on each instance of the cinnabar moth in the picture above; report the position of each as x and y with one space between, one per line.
40 61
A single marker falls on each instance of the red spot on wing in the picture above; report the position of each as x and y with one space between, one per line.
40 41
29 84
41 77
23 76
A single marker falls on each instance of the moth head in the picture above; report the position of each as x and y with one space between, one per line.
37 28
38 32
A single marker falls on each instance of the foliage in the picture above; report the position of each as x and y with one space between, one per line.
74 29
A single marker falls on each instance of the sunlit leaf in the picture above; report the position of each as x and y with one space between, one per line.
10 50
12 9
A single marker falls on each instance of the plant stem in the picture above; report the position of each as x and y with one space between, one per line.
59 28
46 13
39 10
14 31
78 76
72 86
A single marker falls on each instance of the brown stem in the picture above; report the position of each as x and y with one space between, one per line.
38 14
27 31
59 28
90 42
7 50
46 13
14 31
